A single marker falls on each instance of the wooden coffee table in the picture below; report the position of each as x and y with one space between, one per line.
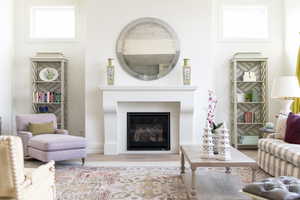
191 154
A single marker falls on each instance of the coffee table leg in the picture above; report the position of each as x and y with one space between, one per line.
193 188
254 174
182 163
228 170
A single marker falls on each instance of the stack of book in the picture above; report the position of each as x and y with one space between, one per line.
47 97
249 117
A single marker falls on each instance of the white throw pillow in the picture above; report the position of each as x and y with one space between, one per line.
281 126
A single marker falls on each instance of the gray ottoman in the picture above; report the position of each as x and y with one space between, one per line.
281 188
57 147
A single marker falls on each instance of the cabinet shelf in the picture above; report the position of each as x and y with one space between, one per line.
51 103
47 81
259 102
247 146
248 81
254 123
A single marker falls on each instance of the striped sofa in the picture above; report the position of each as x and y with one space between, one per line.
279 158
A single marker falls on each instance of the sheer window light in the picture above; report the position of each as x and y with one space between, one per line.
53 22
245 22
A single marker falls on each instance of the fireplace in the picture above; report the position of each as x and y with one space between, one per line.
148 131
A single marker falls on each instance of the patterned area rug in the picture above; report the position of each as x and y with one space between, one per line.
134 183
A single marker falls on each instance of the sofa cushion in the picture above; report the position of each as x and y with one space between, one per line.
281 126
293 129
56 142
280 149
41 128
281 188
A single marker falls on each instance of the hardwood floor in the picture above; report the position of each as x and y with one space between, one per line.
148 157
133 157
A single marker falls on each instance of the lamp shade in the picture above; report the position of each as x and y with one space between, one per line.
285 87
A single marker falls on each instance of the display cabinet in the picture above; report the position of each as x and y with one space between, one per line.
49 85
249 104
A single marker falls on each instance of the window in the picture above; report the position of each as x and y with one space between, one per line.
245 22
53 23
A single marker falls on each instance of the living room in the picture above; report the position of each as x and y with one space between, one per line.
96 73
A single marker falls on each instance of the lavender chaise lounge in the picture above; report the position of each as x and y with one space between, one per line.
46 147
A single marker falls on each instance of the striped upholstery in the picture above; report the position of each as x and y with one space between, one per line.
281 150
279 158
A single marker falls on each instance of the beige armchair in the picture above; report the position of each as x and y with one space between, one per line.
17 183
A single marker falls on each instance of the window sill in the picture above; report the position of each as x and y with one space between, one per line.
32 40
244 40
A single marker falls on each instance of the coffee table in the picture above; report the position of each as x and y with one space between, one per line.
191 154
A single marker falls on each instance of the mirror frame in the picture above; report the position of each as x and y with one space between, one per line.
124 33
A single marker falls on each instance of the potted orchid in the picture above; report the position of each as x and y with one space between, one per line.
212 103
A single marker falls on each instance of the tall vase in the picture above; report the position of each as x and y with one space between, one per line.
110 73
215 138
186 72
207 147
224 152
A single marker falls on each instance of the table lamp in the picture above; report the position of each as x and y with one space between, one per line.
286 89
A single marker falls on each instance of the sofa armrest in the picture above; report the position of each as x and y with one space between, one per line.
39 183
62 131
42 173
274 135
25 136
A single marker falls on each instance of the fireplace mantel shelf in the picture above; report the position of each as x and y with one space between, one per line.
148 88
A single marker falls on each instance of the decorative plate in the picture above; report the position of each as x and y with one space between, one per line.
48 74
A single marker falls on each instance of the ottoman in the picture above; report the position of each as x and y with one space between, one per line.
57 147
281 188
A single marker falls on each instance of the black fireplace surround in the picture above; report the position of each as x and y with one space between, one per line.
148 131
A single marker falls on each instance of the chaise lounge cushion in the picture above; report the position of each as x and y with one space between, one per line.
280 149
281 188
56 142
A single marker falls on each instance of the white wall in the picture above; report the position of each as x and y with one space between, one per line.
196 25
224 50
292 35
6 62
104 21
74 51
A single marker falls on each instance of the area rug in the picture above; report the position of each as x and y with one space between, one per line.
134 183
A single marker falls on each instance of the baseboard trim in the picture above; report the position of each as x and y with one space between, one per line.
95 148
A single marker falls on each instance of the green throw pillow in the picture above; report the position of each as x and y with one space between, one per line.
43 128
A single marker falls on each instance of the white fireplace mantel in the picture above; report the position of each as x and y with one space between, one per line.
114 95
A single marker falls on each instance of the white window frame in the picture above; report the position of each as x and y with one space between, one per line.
255 5
30 24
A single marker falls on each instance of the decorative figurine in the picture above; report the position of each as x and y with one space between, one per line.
207 148
186 72
249 77
224 143
110 72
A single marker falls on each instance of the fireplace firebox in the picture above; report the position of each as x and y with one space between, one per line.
148 131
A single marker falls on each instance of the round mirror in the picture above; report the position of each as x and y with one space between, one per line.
148 49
